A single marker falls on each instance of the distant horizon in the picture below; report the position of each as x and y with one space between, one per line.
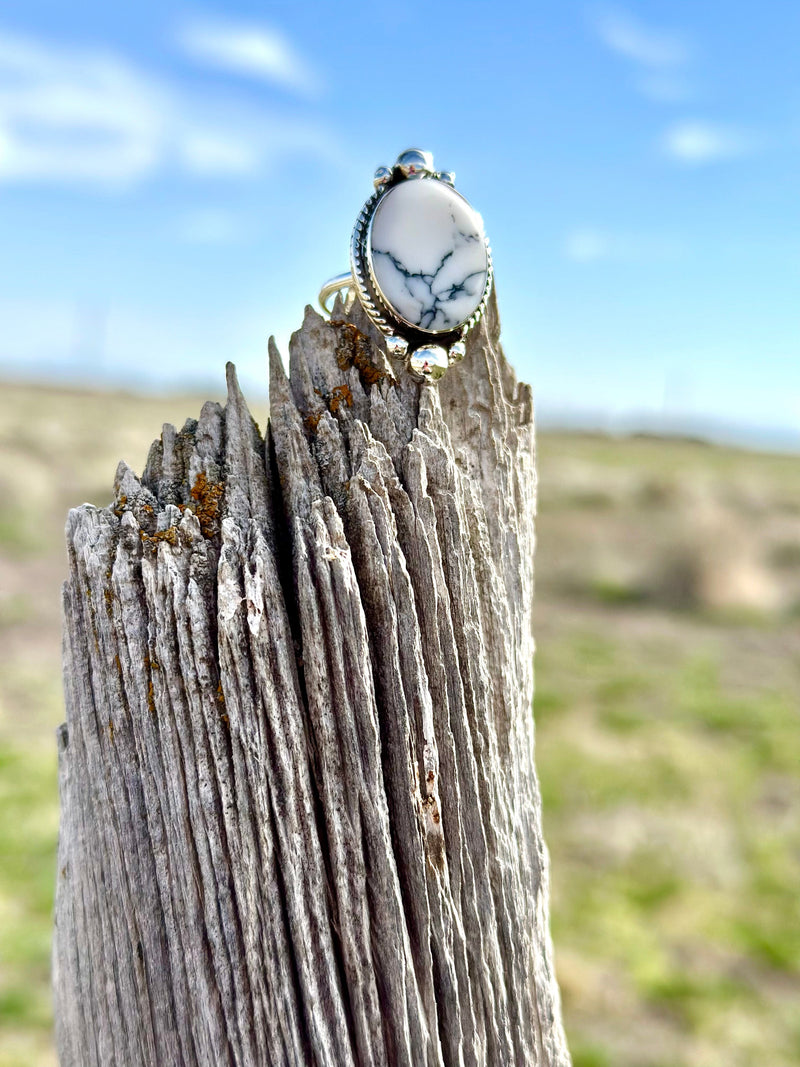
705 429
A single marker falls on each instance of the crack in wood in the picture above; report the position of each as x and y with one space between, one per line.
300 818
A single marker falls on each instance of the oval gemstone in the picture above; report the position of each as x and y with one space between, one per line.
428 255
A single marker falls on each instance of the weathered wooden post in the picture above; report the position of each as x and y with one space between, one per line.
300 819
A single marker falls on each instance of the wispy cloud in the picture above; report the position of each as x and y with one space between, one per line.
659 57
591 244
254 51
76 115
694 141
90 116
645 45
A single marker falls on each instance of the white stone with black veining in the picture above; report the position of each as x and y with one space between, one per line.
428 254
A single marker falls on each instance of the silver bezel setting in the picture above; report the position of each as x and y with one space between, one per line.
379 310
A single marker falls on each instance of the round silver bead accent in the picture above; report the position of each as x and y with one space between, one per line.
382 177
397 347
429 362
414 161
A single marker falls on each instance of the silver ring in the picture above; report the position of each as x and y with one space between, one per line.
342 283
420 265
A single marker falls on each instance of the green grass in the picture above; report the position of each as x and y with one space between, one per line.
28 837
668 749
670 811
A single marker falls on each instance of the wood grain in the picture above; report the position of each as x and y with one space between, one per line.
300 817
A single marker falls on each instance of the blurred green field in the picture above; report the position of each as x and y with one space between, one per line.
668 727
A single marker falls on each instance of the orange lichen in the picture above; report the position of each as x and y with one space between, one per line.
207 497
206 505
339 395
354 349
170 535
150 664
434 840
312 421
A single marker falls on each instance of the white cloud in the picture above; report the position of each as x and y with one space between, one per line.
76 115
90 116
590 244
254 51
661 59
695 141
643 44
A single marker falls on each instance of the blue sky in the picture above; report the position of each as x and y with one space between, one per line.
176 182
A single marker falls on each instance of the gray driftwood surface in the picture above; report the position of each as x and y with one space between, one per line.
300 818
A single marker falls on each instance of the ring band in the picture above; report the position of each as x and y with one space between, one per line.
342 283
420 265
